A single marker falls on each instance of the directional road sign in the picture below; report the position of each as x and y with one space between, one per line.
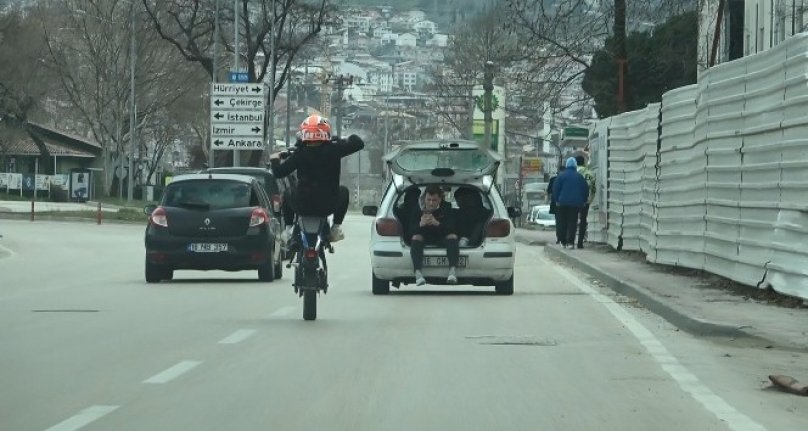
237 116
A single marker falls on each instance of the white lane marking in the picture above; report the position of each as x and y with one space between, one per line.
173 372
736 420
83 418
11 253
285 311
238 336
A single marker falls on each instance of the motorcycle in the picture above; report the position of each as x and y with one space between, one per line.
309 244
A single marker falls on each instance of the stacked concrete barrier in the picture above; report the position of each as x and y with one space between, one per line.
626 157
681 179
648 185
724 186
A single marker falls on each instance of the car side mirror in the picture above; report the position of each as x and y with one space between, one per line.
370 210
514 212
149 209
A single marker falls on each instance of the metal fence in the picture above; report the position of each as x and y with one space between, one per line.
716 176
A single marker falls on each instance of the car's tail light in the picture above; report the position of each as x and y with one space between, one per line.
158 217
388 227
258 217
310 253
498 228
277 202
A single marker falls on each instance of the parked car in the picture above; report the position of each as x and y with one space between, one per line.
541 218
212 221
487 261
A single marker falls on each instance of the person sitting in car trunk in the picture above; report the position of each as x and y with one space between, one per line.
471 216
433 224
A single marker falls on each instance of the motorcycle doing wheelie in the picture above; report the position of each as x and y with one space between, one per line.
308 246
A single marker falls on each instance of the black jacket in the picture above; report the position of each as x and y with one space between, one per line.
444 215
318 174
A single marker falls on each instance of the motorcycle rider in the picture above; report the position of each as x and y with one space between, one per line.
317 160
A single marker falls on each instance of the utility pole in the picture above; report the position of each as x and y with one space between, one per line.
622 56
215 74
236 155
273 69
488 86
132 115
342 82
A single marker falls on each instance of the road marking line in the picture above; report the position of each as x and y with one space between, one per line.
285 311
689 383
173 372
238 336
84 417
11 253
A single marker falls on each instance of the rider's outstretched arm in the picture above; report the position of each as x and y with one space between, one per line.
282 169
349 146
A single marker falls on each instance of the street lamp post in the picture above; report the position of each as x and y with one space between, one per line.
133 105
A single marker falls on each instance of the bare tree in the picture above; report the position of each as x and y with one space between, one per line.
189 25
24 83
563 36
88 43
451 83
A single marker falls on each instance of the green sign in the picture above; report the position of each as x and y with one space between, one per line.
480 102
576 132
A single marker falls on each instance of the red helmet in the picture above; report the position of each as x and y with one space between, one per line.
315 129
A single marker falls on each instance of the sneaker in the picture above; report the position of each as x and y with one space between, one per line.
419 279
452 278
336 233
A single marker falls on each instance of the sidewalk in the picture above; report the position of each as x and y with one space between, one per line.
696 302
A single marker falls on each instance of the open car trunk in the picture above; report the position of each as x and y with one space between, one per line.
471 222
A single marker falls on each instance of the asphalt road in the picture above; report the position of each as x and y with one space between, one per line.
86 344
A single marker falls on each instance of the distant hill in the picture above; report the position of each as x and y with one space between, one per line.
444 12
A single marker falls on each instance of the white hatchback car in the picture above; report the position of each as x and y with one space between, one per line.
486 259
540 217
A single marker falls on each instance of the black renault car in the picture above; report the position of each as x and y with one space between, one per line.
212 221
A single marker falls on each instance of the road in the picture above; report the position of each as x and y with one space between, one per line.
86 344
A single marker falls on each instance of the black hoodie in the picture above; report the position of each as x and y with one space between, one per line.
318 173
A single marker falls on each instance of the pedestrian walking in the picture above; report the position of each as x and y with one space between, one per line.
584 170
570 193
553 206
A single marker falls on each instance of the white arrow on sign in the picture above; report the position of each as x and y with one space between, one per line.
221 89
220 116
238 144
241 102
227 130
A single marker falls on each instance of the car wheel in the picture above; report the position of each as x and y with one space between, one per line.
279 269
380 287
153 272
504 287
266 272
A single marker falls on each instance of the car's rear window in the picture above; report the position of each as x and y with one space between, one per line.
209 194
266 179
428 159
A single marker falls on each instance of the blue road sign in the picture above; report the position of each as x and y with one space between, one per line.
239 77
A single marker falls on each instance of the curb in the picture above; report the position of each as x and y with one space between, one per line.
37 217
522 240
654 303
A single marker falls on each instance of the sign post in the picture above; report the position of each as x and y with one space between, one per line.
237 116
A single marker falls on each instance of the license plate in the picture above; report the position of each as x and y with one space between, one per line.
207 247
443 261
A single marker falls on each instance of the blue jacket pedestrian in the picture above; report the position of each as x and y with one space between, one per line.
570 188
